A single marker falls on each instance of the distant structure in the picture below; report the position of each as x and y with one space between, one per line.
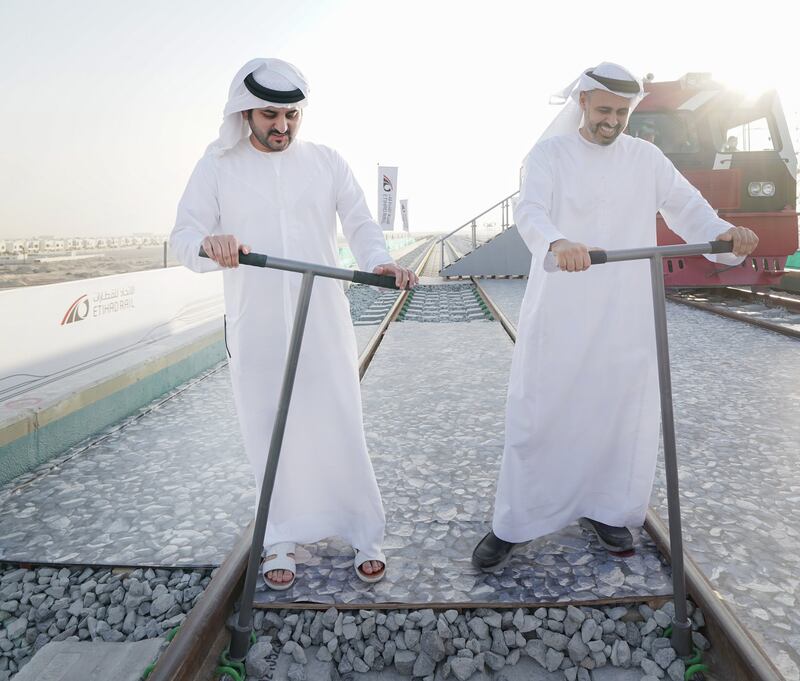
50 245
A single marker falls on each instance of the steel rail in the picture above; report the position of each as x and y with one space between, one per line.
751 662
773 299
194 643
454 252
187 653
732 314
369 350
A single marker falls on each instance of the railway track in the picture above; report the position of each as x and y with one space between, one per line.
195 651
737 656
774 311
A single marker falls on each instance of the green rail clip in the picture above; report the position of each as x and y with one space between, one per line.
150 667
236 670
229 672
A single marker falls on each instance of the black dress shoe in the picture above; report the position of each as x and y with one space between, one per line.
615 539
492 553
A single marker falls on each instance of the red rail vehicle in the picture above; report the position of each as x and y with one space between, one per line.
738 152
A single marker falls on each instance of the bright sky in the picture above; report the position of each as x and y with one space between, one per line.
107 105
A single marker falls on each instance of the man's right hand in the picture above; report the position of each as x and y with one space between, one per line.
224 249
571 256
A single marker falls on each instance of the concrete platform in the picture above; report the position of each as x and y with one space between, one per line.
81 661
436 455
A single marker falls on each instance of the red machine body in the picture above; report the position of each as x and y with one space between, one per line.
737 151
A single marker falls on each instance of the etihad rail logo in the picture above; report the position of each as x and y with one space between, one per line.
77 312
105 302
387 184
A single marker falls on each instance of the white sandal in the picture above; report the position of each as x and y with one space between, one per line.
362 558
283 560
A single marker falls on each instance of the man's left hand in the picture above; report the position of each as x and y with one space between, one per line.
404 278
744 240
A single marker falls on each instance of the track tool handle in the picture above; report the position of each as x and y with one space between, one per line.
357 276
721 246
600 257
361 277
596 258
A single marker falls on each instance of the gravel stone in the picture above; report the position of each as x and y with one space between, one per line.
651 668
498 643
479 627
537 650
16 628
432 645
621 654
588 630
664 657
700 641
462 667
676 670
423 666
577 649
662 619
557 642
404 662
553 659
162 604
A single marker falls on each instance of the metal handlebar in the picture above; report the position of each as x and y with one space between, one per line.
271 262
600 257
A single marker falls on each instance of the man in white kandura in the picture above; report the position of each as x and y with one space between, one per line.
582 419
260 188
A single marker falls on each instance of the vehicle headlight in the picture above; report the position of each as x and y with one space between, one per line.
761 189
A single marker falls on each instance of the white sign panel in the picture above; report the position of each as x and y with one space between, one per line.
49 330
387 196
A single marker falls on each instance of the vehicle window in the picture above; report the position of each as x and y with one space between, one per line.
750 136
673 133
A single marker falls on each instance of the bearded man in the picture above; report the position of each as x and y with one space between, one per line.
260 187
582 418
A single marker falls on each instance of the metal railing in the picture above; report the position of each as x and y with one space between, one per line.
477 231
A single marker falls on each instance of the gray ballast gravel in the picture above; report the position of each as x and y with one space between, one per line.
586 643
84 604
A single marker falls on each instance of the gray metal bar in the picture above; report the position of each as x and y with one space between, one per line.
474 235
598 257
681 626
303 267
662 251
442 243
271 262
240 636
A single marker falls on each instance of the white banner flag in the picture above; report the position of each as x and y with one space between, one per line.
404 213
387 196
